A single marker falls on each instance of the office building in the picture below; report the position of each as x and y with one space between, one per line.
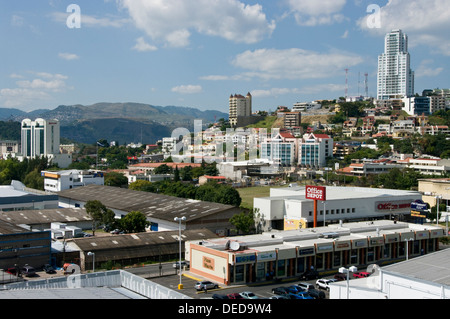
41 138
61 180
314 149
395 77
240 106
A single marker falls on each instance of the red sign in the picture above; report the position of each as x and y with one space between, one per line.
316 192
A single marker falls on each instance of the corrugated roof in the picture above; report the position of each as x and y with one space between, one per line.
32 217
434 267
159 240
150 204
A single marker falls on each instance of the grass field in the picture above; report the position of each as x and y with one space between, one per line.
248 193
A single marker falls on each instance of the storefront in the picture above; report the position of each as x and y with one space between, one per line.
251 261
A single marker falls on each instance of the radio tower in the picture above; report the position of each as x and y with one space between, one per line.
346 83
366 83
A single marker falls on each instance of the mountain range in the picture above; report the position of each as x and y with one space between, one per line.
121 122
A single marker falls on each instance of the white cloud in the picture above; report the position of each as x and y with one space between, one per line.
92 21
68 56
187 89
174 21
425 22
294 63
425 69
29 92
142 46
313 12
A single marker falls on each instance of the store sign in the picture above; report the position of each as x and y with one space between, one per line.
419 205
315 192
391 206
208 263
245 259
267 256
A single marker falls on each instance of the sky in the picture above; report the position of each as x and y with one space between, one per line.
197 53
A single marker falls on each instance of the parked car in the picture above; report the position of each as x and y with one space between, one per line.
217 296
248 295
305 286
176 265
340 276
300 295
324 283
309 275
28 271
296 288
361 274
285 296
316 294
234 295
49 269
280 291
202 285
14 271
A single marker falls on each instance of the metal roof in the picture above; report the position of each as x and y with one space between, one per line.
7 228
433 267
150 204
45 216
157 240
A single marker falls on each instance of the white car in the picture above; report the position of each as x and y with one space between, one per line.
248 295
324 283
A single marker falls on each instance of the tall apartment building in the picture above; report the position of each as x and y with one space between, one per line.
240 106
292 119
395 77
42 138
314 149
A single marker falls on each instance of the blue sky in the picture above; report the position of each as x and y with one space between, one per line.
197 53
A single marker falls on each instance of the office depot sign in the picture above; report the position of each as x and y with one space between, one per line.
315 192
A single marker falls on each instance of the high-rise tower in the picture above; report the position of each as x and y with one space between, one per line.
395 77
239 106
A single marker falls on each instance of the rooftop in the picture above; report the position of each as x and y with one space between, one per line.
150 204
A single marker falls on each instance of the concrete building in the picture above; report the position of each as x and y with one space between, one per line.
314 149
41 138
395 77
422 277
17 197
292 119
278 255
9 147
240 106
61 180
281 149
434 190
287 206
306 106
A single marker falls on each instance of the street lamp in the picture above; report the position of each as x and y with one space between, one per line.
344 270
437 209
180 219
93 260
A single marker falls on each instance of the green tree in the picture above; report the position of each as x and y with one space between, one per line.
97 211
134 222
142 185
116 179
244 222
34 180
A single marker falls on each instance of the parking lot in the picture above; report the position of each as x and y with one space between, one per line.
261 290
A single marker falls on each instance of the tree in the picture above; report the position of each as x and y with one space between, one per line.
142 185
98 212
244 222
34 180
116 179
134 222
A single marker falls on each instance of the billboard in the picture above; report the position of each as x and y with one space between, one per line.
315 192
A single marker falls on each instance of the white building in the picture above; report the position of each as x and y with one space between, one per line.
395 77
422 277
314 150
61 180
41 138
289 206
306 106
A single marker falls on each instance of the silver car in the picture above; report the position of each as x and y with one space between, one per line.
205 285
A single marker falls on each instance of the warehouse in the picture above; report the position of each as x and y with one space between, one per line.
128 249
288 208
289 254
159 209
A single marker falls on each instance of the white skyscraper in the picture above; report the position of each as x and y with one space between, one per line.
395 77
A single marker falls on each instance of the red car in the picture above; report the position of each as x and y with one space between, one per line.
361 274
235 296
